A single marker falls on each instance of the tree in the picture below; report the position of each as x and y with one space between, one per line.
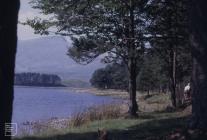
99 27
8 38
119 76
170 39
37 79
198 14
152 75
101 79
113 76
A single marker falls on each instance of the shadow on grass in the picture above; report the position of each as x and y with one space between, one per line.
155 129
145 115
150 130
69 136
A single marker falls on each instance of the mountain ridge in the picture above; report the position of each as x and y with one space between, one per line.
49 55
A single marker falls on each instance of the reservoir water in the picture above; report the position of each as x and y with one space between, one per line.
35 103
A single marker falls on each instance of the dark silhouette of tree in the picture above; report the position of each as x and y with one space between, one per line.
198 24
8 41
37 79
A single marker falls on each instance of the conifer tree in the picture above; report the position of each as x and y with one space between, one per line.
113 27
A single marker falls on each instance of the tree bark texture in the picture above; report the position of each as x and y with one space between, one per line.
133 107
172 74
198 25
8 42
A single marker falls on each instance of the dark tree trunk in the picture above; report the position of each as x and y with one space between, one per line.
8 42
133 107
198 24
173 77
148 92
132 64
173 93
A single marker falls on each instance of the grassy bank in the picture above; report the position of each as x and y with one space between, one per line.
154 123
149 125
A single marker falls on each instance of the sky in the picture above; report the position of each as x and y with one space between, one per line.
26 32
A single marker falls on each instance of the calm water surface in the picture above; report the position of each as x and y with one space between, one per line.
33 103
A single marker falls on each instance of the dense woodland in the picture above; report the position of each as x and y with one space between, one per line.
153 76
37 79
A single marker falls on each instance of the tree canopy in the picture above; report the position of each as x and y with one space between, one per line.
170 39
113 76
96 26
114 28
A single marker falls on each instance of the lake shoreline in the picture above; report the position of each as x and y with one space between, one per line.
61 121
90 90
102 92
153 112
42 87
51 102
78 119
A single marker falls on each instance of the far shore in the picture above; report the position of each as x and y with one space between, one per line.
90 90
100 92
116 93
105 92
52 87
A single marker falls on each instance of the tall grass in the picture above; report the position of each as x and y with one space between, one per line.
94 113
98 112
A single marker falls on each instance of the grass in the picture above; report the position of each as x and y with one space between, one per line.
158 99
154 102
153 123
100 112
157 126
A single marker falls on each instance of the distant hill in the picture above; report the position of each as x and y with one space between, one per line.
48 55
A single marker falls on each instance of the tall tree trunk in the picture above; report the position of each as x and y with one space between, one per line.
148 92
198 20
173 77
132 63
133 107
8 42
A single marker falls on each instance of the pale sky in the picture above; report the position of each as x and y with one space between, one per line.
26 32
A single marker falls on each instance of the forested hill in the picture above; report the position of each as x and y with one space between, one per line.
37 79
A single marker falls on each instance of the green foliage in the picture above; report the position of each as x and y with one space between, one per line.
96 26
114 28
170 40
151 76
101 79
113 76
171 34
120 31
